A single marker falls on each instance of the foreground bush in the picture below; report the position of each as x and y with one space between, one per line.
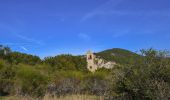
76 82
7 73
146 80
30 81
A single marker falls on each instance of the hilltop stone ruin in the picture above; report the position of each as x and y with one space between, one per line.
95 62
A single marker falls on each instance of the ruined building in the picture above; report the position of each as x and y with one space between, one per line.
94 62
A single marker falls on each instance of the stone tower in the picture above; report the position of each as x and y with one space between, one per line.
91 61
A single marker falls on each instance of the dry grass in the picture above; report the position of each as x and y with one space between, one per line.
47 97
74 97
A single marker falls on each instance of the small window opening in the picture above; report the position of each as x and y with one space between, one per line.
90 67
90 57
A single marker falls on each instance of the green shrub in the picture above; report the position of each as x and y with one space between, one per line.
7 74
31 81
147 79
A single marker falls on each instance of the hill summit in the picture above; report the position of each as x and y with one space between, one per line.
121 56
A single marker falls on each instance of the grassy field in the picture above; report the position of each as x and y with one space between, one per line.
70 97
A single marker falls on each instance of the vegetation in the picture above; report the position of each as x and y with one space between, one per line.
147 79
136 77
67 62
120 56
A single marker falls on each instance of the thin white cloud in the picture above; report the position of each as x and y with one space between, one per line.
135 13
27 39
15 33
84 36
101 9
23 48
108 9
13 43
125 13
27 42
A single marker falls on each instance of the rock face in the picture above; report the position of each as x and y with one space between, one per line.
94 62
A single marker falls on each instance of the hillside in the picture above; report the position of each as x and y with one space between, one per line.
121 56
118 55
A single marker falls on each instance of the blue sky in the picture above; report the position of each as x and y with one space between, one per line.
51 27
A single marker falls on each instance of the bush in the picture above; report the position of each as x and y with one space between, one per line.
30 81
147 79
7 74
